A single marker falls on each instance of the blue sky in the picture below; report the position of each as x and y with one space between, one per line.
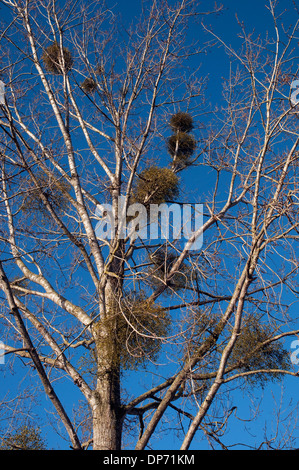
216 65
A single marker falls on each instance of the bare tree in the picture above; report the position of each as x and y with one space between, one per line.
91 112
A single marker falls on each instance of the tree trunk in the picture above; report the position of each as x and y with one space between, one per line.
107 420
106 409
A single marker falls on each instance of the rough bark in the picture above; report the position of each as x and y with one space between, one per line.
106 407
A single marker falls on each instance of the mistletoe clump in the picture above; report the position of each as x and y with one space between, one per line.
142 324
56 62
162 261
255 351
156 186
181 145
181 122
89 85
138 325
54 189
